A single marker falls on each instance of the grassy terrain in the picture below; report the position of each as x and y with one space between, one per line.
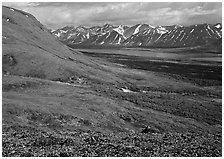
50 118
27 142
74 117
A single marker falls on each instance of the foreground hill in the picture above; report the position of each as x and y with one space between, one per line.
30 50
140 35
59 102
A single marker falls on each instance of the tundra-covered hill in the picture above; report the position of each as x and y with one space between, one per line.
30 50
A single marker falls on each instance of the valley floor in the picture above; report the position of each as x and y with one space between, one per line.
161 109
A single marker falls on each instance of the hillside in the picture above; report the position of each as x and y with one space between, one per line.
30 50
57 101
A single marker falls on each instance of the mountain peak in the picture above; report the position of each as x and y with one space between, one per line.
107 25
68 27
218 25
81 28
151 26
120 29
178 26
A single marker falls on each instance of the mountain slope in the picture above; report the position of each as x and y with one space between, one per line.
30 50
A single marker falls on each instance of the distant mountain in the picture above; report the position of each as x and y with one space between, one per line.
140 35
176 36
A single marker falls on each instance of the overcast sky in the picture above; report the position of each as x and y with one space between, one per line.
55 14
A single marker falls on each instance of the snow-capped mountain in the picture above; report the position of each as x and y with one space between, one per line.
141 35
176 36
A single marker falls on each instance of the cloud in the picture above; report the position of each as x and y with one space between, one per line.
58 14
20 4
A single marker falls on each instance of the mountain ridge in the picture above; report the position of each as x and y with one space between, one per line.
141 35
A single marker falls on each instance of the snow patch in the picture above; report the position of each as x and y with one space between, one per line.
191 30
87 35
180 34
218 34
182 37
218 26
161 30
207 31
177 26
172 37
211 29
62 31
161 27
63 83
114 39
137 29
108 35
208 27
151 26
119 41
126 90
119 30
58 34
78 34
145 32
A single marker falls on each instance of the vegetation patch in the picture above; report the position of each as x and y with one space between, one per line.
20 86
8 60
36 73
211 114
20 141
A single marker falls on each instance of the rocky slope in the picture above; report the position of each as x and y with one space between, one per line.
141 35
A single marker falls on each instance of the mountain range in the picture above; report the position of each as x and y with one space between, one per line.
140 35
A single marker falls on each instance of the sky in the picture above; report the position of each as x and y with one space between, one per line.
55 15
